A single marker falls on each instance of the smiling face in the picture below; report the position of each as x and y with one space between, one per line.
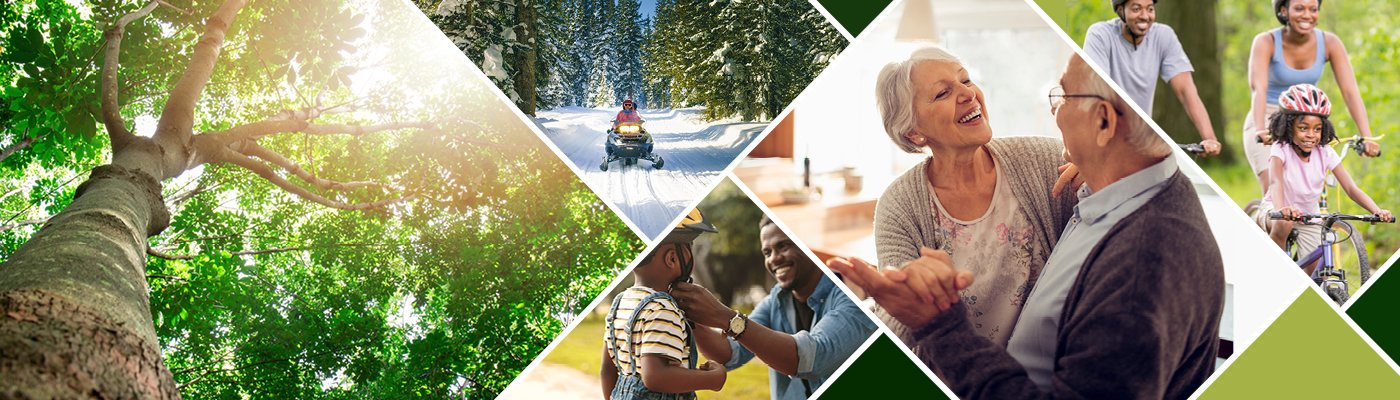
793 269
1307 133
1138 15
1301 15
949 110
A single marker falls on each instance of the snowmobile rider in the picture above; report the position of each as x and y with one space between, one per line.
629 114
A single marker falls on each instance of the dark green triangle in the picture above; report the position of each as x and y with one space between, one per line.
854 15
1375 313
1308 352
883 371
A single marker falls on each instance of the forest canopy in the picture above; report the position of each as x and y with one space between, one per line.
411 237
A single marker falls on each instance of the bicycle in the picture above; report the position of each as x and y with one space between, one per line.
1192 148
1331 278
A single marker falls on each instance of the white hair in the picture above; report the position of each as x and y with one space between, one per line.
1138 133
894 94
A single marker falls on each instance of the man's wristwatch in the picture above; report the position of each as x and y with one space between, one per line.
737 325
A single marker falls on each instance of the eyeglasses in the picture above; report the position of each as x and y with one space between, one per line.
1058 96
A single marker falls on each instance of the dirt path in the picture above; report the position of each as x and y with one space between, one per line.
554 382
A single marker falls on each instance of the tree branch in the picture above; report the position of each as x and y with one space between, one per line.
22 143
252 148
111 111
13 225
161 254
177 119
266 172
358 130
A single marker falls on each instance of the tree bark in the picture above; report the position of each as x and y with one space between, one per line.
1196 28
525 29
75 317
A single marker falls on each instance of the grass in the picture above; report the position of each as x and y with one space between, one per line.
582 350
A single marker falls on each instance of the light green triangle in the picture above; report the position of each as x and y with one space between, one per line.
1308 352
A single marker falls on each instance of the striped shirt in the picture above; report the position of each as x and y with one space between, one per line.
660 329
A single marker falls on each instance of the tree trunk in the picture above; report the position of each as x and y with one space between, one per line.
525 58
75 318
1195 27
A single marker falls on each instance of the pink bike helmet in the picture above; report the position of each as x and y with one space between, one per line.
1305 99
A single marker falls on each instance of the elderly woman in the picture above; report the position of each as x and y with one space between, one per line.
986 202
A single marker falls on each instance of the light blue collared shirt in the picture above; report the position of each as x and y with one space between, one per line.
1035 336
839 327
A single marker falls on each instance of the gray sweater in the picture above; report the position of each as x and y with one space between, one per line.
904 219
1140 322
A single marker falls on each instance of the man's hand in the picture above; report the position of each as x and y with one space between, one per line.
1385 215
1212 147
1069 177
897 298
701 306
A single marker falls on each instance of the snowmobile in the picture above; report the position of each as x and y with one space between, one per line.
628 143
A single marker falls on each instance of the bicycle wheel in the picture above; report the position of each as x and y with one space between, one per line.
1358 243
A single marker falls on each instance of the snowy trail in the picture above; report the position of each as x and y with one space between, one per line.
695 152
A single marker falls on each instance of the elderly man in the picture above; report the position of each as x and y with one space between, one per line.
1129 303
804 330
1134 51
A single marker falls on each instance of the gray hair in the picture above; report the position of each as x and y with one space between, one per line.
894 94
1139 134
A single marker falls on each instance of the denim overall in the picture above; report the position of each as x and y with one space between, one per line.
629 383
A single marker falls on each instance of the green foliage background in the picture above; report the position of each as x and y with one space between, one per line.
447 295
1365 28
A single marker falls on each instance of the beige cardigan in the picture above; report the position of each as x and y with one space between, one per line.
904 220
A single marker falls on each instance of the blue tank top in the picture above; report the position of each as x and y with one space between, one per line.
1281 76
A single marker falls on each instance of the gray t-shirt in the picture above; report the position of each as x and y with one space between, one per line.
1136 68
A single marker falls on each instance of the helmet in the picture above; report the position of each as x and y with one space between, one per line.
1117 3
628 102
1305 99
690 227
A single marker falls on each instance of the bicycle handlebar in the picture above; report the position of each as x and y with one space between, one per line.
1193 148
1335 217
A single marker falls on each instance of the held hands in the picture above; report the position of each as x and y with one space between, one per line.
914 295
701 306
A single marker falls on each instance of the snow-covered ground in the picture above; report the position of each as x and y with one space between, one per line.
695 154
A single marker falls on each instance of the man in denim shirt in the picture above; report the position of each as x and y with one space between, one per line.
804 330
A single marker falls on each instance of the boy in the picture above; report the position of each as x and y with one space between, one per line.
648 349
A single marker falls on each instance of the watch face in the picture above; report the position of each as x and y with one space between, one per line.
736 324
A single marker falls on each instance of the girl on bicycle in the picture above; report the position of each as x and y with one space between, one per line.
1299 161
1292 54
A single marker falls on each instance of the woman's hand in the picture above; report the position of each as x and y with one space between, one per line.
1069 177
933 278
1264 137
897 298
1373 149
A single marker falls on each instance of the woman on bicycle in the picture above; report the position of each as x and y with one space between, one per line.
1299 161
1288 56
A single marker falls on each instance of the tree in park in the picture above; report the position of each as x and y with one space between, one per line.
193 262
